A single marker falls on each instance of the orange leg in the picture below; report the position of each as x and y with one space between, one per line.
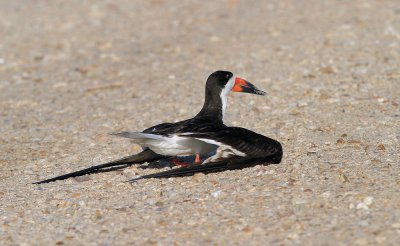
177 162
197 160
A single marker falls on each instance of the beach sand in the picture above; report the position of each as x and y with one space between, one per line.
71 72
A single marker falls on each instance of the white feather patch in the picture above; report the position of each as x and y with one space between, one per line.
223 151
224 94
172 145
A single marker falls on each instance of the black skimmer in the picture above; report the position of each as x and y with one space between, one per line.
203 134
237 148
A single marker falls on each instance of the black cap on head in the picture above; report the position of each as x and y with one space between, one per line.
220 78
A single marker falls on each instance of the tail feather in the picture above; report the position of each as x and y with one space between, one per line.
144 156
138 135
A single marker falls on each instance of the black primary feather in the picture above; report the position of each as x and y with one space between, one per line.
146 155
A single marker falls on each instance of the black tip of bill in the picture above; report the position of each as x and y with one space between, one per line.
250 88
259 92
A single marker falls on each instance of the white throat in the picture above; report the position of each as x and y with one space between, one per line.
224 94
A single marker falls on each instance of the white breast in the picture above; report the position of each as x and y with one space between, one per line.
224 94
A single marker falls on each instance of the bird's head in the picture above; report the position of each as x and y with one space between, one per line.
226 81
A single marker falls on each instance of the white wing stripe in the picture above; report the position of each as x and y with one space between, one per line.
221 145
223 151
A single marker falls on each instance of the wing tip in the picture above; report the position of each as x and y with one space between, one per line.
119 134
45 181
131 181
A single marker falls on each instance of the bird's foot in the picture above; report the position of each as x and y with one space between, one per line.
197 160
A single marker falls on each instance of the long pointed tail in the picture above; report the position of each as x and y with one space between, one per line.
144 156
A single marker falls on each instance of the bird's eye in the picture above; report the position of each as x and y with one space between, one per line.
228 76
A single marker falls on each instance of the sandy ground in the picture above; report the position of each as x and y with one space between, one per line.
73 71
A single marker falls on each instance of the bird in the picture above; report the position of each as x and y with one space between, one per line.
205 133
237 148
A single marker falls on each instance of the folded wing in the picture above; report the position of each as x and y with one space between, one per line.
240 142
237 148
